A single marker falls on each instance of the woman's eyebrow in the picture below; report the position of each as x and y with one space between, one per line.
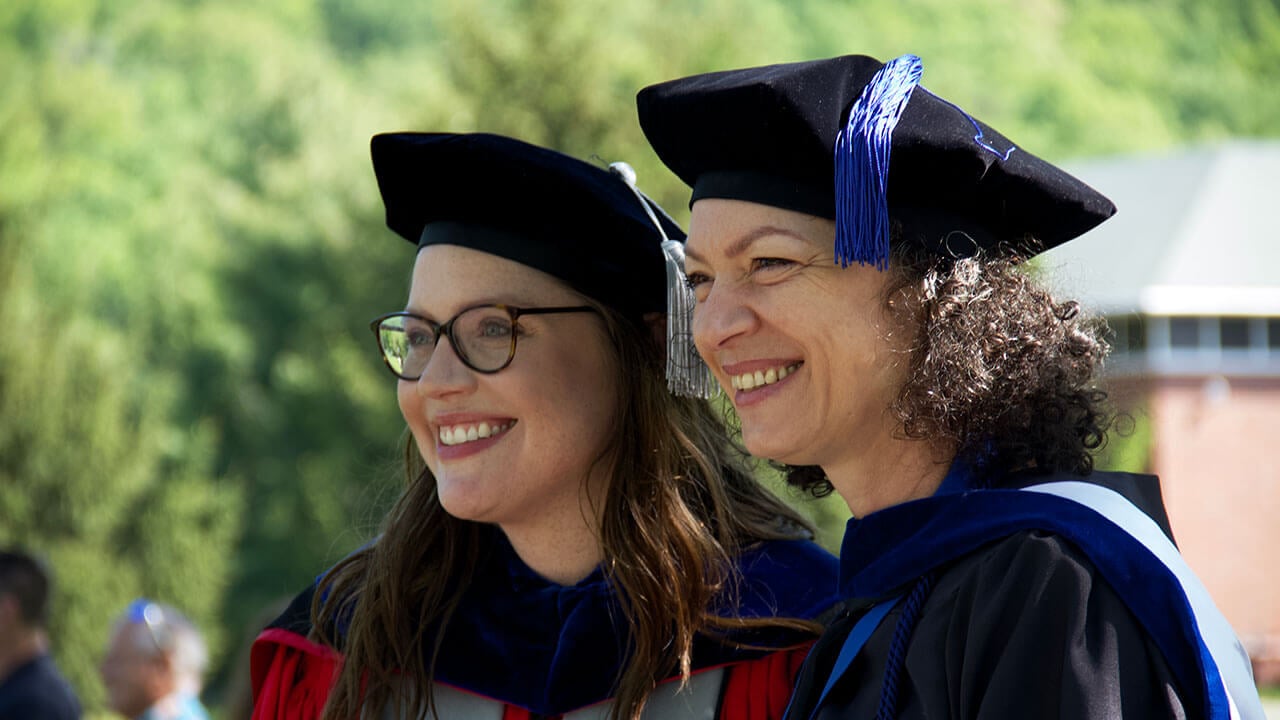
509 299
742 244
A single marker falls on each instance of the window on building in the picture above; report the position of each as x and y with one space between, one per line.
1135 332
1126 333
1191 337
1233 333
1115 335
1184 332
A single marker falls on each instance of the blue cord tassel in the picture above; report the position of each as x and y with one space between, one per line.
895 663
862 163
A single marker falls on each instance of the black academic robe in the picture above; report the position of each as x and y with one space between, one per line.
1018 619
537 649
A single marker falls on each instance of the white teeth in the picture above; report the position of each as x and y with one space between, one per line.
458 434
759 378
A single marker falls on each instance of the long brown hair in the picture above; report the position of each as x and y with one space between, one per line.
680 505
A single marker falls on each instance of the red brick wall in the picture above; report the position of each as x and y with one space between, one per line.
1217 451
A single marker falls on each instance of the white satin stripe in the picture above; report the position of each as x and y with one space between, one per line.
699 700
1229 655
455 703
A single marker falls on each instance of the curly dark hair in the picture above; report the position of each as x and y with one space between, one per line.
999 368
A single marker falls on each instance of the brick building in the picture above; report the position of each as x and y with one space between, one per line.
1188 275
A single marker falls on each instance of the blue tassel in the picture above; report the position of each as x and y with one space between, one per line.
862 163
897 658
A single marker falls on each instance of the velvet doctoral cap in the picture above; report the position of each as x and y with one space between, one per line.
858 141
580 223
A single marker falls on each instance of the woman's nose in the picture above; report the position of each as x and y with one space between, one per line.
722 317
445 373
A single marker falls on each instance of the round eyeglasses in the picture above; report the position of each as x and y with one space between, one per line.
483 337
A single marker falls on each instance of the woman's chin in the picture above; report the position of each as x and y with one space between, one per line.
465 506
779 447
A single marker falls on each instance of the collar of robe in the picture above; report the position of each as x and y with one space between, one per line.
551 649
882 553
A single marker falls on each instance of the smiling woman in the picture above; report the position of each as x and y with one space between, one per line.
854 249
572 538
558 448
767 307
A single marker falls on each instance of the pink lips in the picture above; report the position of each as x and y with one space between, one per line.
757 395
467 449
747 366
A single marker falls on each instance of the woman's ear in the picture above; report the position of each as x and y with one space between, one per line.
657 324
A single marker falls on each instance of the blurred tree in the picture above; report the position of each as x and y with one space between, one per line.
278 198
97 470
1130 444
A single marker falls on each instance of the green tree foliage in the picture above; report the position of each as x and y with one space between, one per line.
1130 444
99 469
191 242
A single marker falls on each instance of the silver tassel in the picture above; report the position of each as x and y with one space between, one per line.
687 374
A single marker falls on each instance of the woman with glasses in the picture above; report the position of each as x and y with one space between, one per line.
573 541
854 250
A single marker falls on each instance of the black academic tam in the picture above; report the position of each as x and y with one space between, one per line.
854 134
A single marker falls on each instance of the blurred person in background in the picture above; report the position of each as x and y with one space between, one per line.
572 537
155 663
855 249
30 684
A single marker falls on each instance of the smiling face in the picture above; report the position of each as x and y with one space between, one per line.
804 348
547 416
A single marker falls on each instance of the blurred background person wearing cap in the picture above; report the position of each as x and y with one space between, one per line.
155 663
572 536
30 684
854 249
